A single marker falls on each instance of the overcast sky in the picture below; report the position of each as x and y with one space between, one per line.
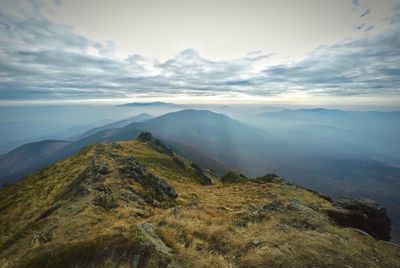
225 51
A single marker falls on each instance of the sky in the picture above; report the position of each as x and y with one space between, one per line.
210 51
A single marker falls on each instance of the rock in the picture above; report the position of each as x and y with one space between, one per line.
275 205
135 261
130 167
176 211
233 177
196 167
130 195
156 203
270 177
97 177
164 148
194 202
148 230
117 146
364 214
147 137
160 184
35 241
105 201
102 168
174 264
103 188
39 239
141 213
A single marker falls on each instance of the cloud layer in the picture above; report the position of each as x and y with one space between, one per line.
43 60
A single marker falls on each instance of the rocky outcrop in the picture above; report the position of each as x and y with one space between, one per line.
364 214
130 167
233 177
149 232
270 177
147 137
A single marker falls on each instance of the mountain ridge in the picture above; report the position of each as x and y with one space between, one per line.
137 203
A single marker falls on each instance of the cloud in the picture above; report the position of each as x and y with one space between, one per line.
43 60
365 66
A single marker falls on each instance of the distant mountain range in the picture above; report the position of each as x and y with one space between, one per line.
119 124
142 104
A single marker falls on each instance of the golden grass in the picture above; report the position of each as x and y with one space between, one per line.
222 225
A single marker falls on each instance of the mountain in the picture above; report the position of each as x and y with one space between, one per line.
145 104
213 134
377 131
221 143
32 156
119 124
138 204
186 130
28 155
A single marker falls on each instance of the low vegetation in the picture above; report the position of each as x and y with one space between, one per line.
134 204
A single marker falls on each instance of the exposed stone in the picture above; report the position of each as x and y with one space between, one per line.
39 239
105 201
364 214
130 167
35 241
117 146
275 205
233 177
103 188
141 213
130 195
176 211
196 167
102 169
145 136
135 261
194 202
270 177
149 231
156 203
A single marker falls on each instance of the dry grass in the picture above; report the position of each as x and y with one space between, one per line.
224 225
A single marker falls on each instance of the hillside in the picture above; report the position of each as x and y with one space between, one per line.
221 143
138 204
28 155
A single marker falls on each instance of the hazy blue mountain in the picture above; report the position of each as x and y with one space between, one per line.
144 104
119 124
28 156
372 134
27 164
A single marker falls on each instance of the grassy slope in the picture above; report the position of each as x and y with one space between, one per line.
222 225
